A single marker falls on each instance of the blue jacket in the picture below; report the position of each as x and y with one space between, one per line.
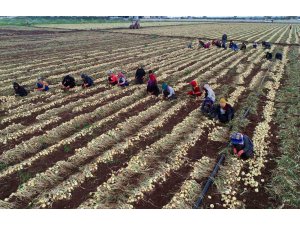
247 146
88 80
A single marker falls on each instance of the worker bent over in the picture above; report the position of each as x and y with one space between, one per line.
112 78
168 92
195 89
68 82
87 81
42 85
122 80
224 111
208 103
19 90
242 146
152 87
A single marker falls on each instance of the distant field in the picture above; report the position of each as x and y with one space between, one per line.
236 31
125 24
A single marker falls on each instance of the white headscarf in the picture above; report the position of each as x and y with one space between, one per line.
210 92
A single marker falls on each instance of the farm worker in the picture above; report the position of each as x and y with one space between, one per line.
266 45
290 27
200 43
112 78
122 81
278 56
269 56
230 44
152 87
224 111
168 92
19 90
139 75
242 146
87 81
207 45
68 82
224 40
190 45
208 103
195 89
234 46
254 44
217 43
209 93
243 46
42 85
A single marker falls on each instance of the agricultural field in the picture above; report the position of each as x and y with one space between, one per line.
109 147
112 25
247 32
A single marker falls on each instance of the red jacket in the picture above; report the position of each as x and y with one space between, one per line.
113 78
196 88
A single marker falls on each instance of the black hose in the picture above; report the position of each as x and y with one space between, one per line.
209 181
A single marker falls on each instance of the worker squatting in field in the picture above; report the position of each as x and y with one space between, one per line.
19 90
87 81
68 82
42 85
242 146
168 92
152 87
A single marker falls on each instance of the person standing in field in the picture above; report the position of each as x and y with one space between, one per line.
87 81
224 40
168 92
19 90
242 146
152 87
42 85
195 89
139 75
68 82
224 111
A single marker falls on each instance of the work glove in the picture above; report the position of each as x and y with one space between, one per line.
240 153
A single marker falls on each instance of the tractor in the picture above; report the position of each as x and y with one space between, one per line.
135 25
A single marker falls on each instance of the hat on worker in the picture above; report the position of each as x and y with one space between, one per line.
237 139
223 100
193 83
164 86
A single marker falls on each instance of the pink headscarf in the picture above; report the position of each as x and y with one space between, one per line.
121 75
